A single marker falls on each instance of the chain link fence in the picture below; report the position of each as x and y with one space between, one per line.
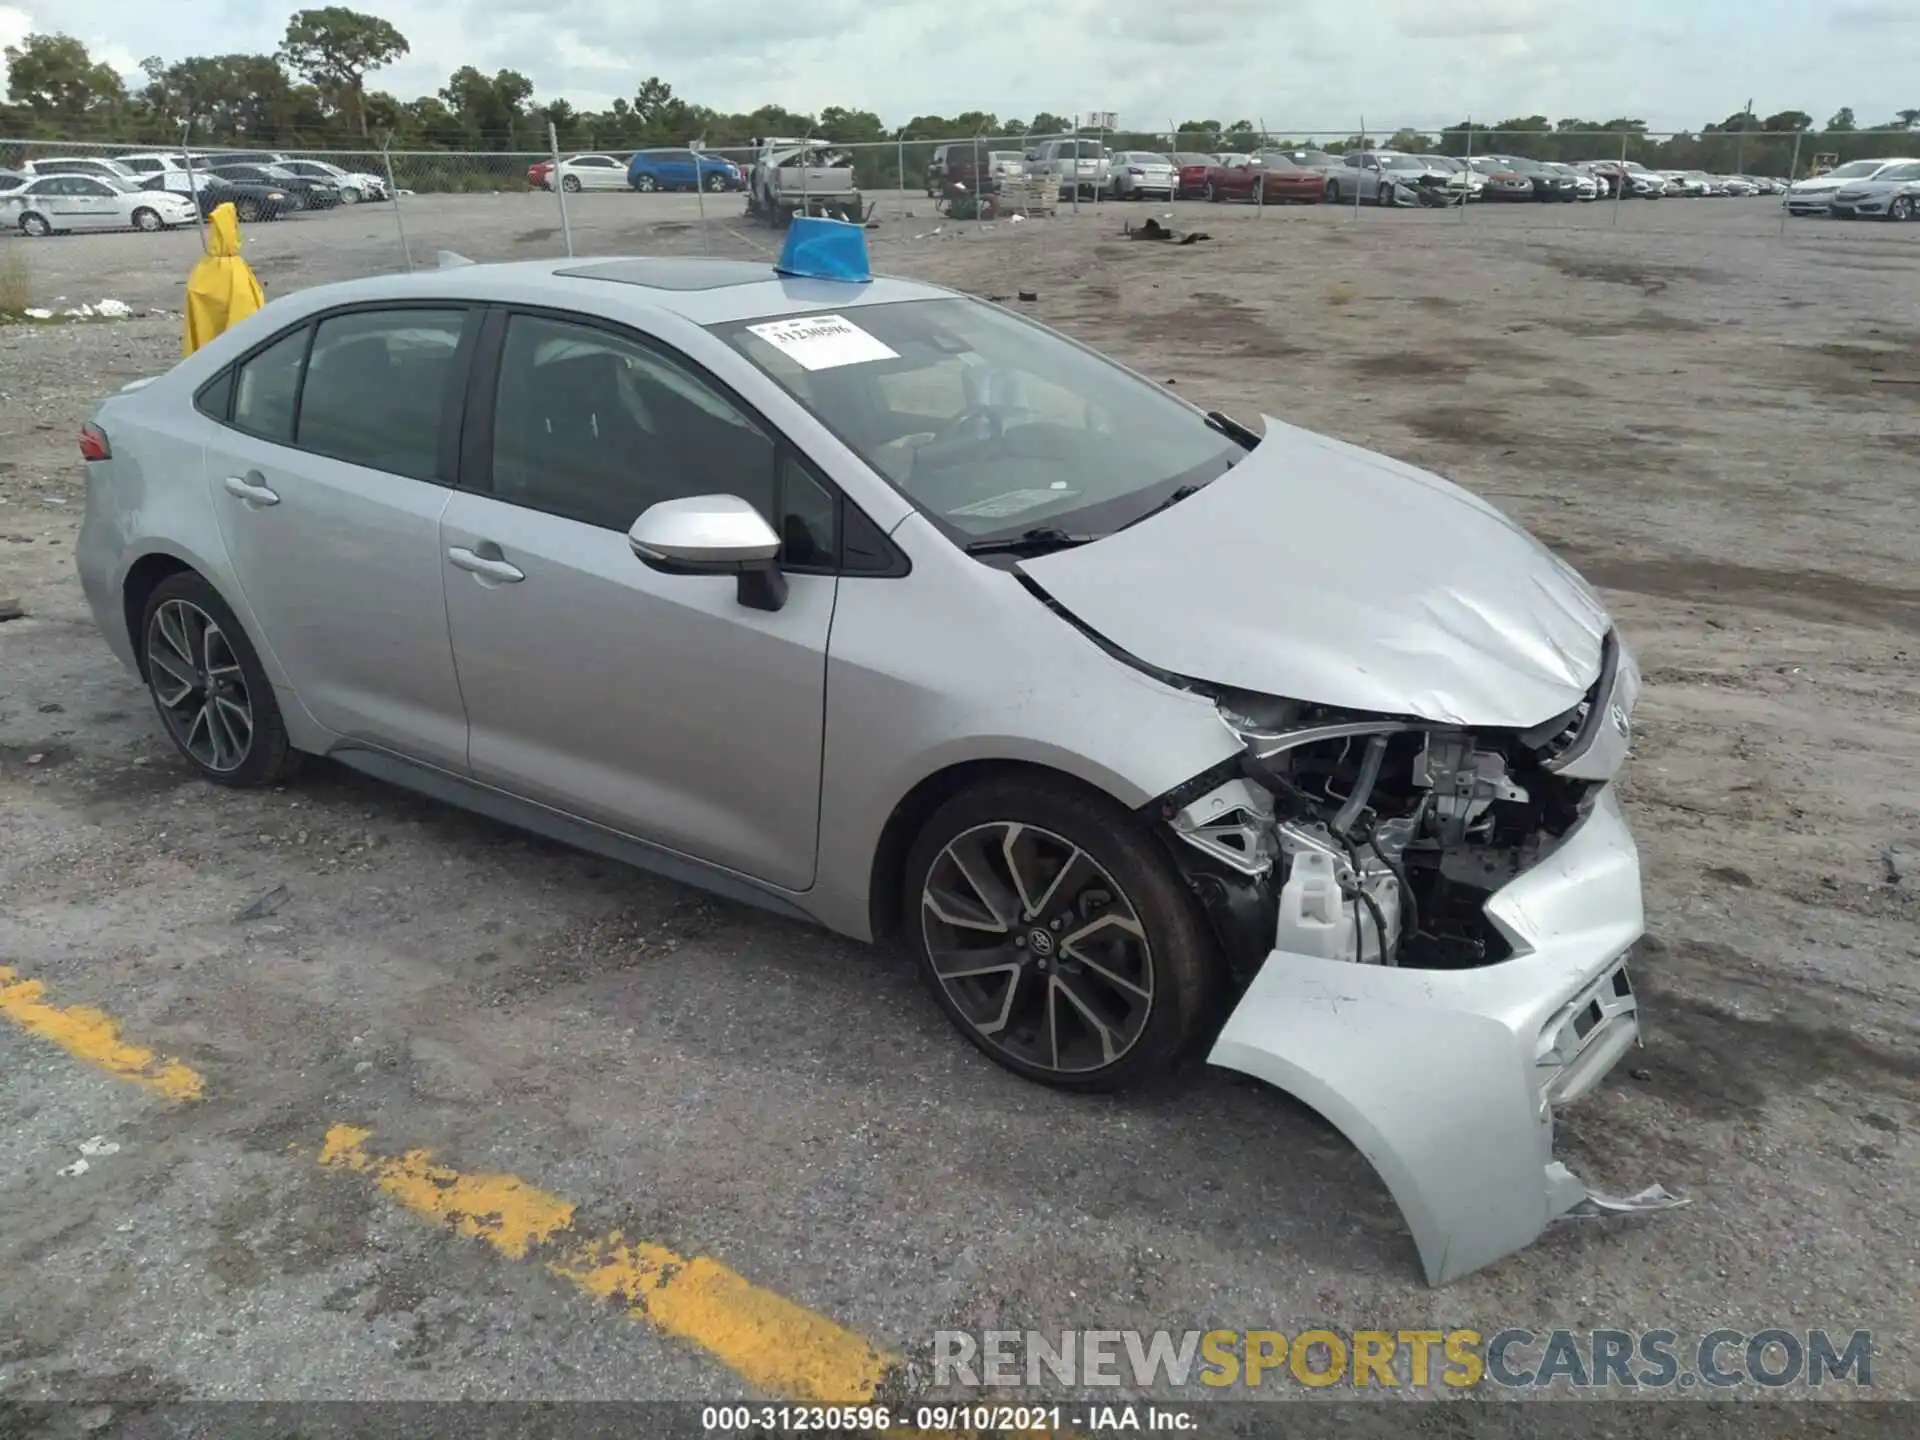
403 206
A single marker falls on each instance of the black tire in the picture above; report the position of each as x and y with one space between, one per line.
716 183
1333 192
645 184
248 211
1214 197
349 195
268 757
1901 208
570 184
1178 958
148 220
37 225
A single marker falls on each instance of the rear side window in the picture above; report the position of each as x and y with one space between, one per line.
377 388
267 386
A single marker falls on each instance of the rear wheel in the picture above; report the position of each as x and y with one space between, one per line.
209 688
247 210
1333 192
148 220
570 183
1056 935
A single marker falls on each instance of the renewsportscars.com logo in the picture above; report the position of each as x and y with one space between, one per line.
1401 1359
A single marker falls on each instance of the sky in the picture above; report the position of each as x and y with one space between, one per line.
1296 65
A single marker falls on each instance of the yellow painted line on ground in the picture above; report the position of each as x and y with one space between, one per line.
776 1346
93 1036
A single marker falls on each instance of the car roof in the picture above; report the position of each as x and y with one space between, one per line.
702 291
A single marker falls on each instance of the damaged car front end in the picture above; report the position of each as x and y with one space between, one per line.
1417 867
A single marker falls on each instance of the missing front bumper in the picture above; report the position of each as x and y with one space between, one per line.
1446 1080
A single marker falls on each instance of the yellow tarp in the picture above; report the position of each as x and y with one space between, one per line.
221 289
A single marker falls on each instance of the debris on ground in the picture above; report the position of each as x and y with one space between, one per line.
73 1171
1902 859
1152 229
1029 296
11 609
99 1145
264 906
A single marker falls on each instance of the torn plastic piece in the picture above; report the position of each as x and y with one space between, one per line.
99 1145
1654 1198
76 1169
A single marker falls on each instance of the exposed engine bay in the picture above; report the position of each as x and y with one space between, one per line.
1378 839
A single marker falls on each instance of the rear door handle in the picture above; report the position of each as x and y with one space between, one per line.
481 565
251 488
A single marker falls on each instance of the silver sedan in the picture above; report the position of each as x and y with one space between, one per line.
59 203
882 606
1140 174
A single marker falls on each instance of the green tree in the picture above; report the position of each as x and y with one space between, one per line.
234 97
1909 119
489 109
55 78
1842 119
1783 122
334 48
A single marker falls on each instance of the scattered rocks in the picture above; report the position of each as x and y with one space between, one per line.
264 906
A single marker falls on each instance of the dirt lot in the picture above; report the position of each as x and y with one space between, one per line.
1719 424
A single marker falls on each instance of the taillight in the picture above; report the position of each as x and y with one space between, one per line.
93 443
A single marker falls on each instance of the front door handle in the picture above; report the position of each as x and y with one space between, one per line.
251 488
485 566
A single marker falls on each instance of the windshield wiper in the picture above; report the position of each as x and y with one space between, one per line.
1232 428
1180 493
1042 538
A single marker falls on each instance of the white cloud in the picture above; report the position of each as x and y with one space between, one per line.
1297 64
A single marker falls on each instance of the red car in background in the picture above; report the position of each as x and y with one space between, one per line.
1271 177
1191 169
537 174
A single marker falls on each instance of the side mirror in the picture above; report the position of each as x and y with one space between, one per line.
713 535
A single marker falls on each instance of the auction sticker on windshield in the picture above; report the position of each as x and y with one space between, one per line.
999 507
823 342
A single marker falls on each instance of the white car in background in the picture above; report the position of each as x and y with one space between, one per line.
354 185
78 165
52 204
590 172
152 163
1813 195
1893 193
1140 174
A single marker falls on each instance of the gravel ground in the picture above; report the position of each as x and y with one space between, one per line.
1718 423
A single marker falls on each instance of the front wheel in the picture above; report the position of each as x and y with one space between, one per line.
148 220
716 183
350 196
645 184
570 184
1901 208
1214 197
35 225
1057 936
1333 193
248 211
209 688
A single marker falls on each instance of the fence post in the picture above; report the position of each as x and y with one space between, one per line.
1620 184
1466 179
1793 174
553 149
903 162
699 148
1073 172
1356 179
193 185
1260 179
393 192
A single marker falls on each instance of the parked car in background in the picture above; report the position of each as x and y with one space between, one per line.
311 194
1813 195
1389 177
1736 185
354 185
591 172
1503 181
1143 175
1546 183
251 202
1892 194
957 160
1585 186
78 165
12 180
151 164
1270 178
1192 167
1462 177
52 204
1075 166
651 170
540 175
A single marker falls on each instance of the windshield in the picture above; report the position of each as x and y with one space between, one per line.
1085 150
1855 167
989 424
1402 162
1187 157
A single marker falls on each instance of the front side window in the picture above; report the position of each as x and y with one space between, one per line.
990 425
596 427
377 388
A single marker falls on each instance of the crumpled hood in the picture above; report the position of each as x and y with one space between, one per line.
1319 571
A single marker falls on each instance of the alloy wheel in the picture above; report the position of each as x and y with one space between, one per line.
199 686
716 182
1037 947
644 184
1901 208
145 219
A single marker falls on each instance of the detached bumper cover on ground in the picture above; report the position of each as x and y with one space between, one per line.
1446 1080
